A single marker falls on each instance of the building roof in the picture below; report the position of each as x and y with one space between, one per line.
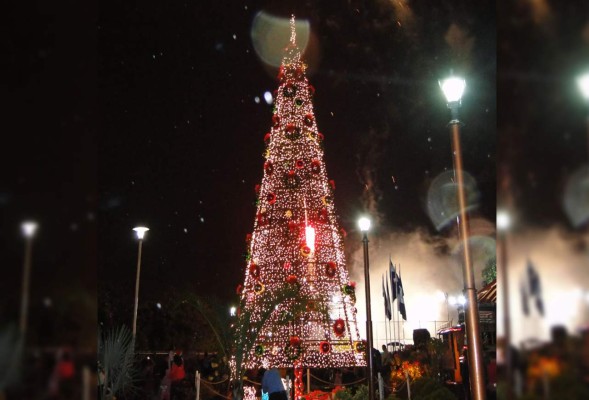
488 294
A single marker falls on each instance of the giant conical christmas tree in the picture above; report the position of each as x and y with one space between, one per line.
297 245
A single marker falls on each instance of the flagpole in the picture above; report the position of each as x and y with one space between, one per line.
385 314
393 306
399 309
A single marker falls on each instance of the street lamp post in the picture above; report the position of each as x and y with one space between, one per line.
453 89
140 231
364 224
28 228
503 224
583 83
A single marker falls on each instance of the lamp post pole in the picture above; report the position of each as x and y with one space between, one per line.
453 89
447 306
140 230
503 222
28 229
583 83
364 226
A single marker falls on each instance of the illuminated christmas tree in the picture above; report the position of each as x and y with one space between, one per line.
297 304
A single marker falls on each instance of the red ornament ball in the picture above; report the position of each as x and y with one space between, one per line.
339 327
324 347
308 120
330 269
315 166
294 340
305 251
268 167
271 198
291 279
254 270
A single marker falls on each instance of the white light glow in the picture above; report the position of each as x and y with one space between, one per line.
453 88
232 311
310 237
140 230
441 295
452 300
29 228
364 224
503 220
461 300
583 83
268 97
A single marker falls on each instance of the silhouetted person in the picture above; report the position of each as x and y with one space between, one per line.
272 384
61 384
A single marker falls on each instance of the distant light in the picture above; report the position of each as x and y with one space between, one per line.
503 220
47 302
453 89
310 237
583 83
159 306
232 311
268 98
461 300
364 224
441 295
257 100
140 230
29 228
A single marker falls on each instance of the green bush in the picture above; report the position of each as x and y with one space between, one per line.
430 389
343 394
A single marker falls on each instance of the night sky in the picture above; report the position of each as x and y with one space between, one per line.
151 119
182 137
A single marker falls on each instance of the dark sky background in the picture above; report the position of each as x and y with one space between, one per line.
150 119
182 138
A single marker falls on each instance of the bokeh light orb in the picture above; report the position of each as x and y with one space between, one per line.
576 197
442 198
270 35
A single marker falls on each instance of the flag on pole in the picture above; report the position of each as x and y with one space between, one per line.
535 289
389 298
393 274
401 296
525 299
387 304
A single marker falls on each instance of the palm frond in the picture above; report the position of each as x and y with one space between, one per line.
116 354
11 352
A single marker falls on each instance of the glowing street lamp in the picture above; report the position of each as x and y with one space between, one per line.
364 224
453 89
503 220
140 231
583 82
29 228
